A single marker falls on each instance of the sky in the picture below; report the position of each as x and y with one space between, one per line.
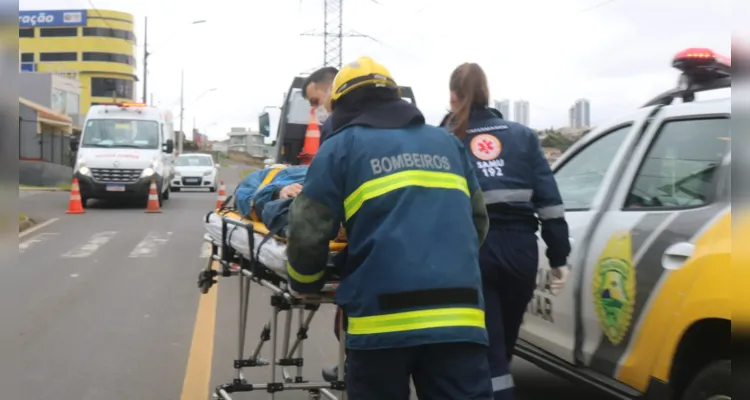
615 53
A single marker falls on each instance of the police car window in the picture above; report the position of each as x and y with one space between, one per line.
580 177
680 167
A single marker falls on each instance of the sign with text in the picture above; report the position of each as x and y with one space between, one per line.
51 18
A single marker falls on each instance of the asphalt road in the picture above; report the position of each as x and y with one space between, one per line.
104 306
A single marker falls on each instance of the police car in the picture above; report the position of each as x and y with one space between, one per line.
646 311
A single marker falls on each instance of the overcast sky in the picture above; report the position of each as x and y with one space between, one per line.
616 53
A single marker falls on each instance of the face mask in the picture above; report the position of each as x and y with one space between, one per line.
321 114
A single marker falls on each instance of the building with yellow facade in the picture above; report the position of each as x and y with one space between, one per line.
95 46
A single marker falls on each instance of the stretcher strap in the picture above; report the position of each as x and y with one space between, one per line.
271 233
269 177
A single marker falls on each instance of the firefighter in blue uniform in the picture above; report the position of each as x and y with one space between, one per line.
520 192
415 218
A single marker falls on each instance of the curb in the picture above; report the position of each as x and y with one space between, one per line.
25 224
41 189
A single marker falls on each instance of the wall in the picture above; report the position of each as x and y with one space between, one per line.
39 173
41 142
36 87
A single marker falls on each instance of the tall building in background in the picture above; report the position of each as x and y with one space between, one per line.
504 107
97 47
521 112
579 114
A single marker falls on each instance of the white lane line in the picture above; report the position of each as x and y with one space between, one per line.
149 247
206 250
42 237
96 241
36 227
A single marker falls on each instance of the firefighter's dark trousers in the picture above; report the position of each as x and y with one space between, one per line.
447 371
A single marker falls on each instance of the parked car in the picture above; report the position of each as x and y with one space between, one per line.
195 171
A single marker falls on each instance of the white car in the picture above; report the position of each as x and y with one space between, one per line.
195 171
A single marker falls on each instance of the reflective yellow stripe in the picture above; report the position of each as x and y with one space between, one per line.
302 278
269 177
380 186
413 320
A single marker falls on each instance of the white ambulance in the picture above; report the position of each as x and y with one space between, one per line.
122 149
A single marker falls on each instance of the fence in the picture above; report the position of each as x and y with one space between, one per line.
49 145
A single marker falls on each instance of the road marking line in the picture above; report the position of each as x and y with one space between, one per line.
37 227
149 247
96 241
23 246
206 250
196 385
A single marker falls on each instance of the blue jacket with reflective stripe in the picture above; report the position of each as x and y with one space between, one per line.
517 182
405 198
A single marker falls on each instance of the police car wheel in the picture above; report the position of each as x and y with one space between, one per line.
713 382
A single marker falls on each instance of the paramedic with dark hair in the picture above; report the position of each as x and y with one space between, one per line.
410 286
520 192
317 90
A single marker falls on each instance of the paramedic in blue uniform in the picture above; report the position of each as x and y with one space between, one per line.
415 218
520 193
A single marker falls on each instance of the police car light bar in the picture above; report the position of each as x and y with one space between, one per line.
702 65
702 70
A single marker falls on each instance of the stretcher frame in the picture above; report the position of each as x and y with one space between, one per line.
249 271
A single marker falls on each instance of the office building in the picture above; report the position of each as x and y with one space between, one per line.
504 107
521 112
96 47
579 114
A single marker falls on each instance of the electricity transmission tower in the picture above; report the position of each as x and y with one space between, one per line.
333 33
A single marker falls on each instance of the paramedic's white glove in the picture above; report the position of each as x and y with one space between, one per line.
559 276
290 191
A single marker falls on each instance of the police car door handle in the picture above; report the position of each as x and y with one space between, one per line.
676 255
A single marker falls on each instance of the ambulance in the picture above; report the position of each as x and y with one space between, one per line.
646 310
122 149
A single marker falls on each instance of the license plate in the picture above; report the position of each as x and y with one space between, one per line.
115 188
192 180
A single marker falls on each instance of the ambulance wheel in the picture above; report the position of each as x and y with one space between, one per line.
713 382
84 202
165 195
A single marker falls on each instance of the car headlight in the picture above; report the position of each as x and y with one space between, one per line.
207 173
147 172
150 171
82 169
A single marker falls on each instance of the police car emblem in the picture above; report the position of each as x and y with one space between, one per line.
486 147
614 288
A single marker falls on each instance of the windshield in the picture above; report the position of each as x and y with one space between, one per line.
193 161
121 133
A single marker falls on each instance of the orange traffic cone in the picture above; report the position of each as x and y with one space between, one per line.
153 199
74 205
312 140
222 195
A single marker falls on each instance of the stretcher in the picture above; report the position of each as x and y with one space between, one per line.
245 249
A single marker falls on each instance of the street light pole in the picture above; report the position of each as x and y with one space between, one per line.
145 59
182 110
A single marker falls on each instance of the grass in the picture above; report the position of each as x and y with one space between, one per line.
64 186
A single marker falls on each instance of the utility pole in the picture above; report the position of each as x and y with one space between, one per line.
182 110
145 60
